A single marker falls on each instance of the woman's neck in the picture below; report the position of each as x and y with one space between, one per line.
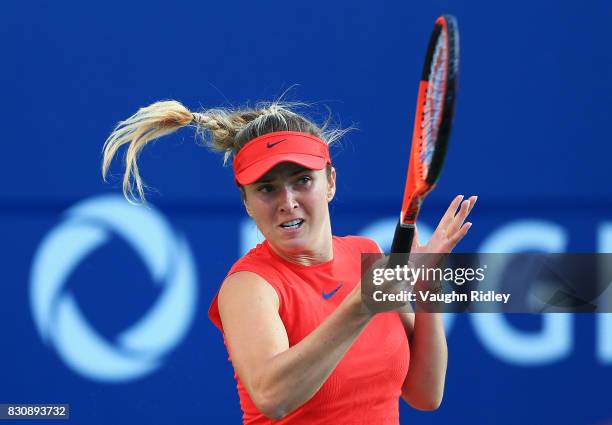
322 253
305 258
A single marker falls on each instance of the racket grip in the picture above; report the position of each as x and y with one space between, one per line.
402 240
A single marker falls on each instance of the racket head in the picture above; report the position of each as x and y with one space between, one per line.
434 115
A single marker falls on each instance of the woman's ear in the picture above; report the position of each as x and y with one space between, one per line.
331 185
246 207
244 201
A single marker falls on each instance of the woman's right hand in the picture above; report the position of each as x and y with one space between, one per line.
383 288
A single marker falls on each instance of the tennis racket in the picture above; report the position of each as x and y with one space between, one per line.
432 125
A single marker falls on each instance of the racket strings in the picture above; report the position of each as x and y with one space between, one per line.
434 102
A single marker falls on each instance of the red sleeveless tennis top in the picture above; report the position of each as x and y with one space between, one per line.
365 386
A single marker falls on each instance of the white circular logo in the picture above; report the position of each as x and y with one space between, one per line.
140 348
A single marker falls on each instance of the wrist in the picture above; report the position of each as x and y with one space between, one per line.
356 306
427 297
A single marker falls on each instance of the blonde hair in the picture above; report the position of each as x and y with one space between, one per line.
223 130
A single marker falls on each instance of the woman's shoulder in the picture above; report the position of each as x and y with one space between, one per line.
251 277
262 260
258 254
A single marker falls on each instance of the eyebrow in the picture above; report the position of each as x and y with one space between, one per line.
298 171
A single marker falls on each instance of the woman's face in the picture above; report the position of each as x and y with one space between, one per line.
289 206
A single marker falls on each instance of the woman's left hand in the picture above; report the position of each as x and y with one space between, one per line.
451 229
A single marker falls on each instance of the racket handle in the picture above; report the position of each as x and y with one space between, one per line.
402 240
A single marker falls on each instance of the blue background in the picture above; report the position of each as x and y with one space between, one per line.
530 138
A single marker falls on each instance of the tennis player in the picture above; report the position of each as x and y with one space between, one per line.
303 349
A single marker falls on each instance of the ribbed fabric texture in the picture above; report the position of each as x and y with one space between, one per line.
365 386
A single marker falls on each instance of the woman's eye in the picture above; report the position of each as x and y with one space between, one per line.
265 188
304 179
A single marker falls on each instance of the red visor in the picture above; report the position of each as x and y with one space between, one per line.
259 155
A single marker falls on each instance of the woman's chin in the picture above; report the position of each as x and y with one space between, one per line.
293 246
291 238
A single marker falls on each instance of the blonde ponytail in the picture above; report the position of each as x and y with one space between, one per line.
224 130
149 123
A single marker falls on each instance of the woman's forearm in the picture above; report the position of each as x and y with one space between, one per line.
292 377
423 387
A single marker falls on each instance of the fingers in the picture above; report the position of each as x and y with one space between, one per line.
452 227
450 212
472 200
415 241
457 221
454 240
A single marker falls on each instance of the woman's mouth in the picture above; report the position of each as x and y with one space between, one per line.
292 224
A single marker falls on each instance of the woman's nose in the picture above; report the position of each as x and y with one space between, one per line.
287 201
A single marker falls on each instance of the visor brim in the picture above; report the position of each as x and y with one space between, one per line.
255 171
